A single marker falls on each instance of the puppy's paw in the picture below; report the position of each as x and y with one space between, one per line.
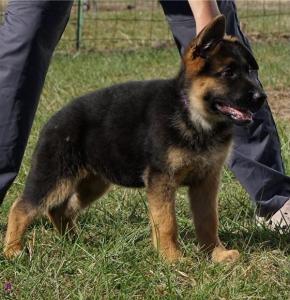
172 255
13 251
222 255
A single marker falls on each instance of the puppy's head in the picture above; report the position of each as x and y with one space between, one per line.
220 77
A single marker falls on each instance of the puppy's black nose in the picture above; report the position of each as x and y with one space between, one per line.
256 100
258 97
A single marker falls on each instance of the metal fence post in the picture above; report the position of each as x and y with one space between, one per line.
80 21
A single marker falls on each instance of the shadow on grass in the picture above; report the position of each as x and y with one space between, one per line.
252 239
256 237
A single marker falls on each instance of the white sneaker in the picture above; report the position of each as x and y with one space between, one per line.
280 221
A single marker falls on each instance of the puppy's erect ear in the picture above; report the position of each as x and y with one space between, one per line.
209 36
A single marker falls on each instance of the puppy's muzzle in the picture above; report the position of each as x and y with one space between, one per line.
256 100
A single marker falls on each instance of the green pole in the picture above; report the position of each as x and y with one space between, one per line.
80 21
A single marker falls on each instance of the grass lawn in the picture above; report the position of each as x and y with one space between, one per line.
112 257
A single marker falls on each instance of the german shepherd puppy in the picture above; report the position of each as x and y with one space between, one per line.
158 134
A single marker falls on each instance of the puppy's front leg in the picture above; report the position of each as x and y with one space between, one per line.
161 198
203 200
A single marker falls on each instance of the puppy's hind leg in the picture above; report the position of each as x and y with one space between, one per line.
38 197
86 191
21 215
61 222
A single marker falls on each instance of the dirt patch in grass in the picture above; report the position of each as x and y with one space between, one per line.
279 101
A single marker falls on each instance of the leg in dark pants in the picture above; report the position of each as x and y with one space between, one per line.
28 37
256 160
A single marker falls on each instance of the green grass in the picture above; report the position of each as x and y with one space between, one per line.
112 257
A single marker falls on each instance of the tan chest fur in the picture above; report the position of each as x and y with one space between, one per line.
186 165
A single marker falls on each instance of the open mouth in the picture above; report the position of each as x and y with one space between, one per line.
240 115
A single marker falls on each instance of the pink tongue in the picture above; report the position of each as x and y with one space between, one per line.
236 114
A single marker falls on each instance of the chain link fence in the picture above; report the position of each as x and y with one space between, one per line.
131 24
97 25
119 25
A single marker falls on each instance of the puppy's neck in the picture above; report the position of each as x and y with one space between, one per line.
198 121
195 137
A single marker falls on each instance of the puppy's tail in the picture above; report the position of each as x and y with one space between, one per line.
57 162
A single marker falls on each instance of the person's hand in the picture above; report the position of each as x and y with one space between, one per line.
204 11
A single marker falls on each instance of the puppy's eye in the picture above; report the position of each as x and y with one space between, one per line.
228 73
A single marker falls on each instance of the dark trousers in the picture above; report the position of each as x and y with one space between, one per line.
28 37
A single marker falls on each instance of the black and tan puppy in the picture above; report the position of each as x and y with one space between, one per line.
158 134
